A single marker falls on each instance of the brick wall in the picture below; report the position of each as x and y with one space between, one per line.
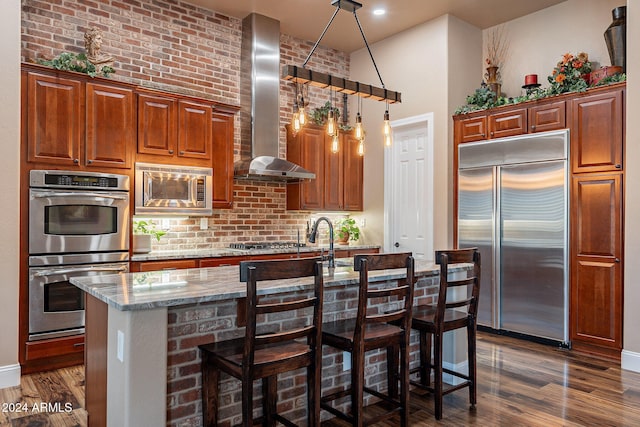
192 325
175 46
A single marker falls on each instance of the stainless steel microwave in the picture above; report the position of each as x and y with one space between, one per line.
173 190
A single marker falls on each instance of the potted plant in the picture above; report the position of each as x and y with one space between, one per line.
142 233
346 229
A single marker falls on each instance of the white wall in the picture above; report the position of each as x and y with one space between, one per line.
417 63
538 41
9 188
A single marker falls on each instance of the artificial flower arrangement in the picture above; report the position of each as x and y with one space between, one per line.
571 74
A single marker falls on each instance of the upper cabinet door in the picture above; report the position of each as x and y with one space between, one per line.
546 117
353 174
312 149
508 123
473 129
223 136
194 130
157 119
596 132
111 118
54 119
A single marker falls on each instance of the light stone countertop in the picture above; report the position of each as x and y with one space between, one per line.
167 288
222 252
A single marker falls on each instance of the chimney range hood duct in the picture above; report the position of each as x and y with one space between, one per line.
260 113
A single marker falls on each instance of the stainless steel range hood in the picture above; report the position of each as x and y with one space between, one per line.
260 114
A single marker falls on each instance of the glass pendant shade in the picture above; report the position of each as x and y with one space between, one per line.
331 123
302 115
295 119
335 143
359 131
361 148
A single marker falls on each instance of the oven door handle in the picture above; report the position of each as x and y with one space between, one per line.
98 195
79 270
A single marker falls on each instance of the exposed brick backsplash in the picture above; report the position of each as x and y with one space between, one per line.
192 325
175 46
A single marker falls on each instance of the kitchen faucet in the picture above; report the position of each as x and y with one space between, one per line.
314 232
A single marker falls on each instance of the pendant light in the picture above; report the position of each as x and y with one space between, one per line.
296 125
302 115
361 147
331 119
335 143
359 130
387 128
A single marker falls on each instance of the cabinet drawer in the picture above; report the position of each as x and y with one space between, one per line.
509 123
163 265
473 129
552 116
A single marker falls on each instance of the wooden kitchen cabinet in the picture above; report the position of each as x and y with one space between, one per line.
595 119
54 121
173 129
338 185
138 266
224 261
110 125
547 116
597 132
596 264
222 159
507 123
73 123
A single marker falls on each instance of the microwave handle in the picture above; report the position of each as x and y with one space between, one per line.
78 270
102 196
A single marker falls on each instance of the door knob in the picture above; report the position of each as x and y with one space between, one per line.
397 245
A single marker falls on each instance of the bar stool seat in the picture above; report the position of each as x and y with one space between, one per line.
265 352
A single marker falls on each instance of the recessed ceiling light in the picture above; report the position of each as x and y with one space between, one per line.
379 11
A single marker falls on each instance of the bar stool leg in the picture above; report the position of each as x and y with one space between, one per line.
471 348
437 355
392 370
247 402
210 378
357 387
269 398
313 395
425 358
404 387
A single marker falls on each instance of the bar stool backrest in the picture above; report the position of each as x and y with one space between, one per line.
471 283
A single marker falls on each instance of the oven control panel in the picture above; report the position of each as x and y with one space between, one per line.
69 179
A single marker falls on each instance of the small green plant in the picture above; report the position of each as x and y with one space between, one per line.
147 227
68 61
347 227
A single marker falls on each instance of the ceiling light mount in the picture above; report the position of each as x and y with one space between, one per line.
348 5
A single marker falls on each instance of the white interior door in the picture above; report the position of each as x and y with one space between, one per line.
409 187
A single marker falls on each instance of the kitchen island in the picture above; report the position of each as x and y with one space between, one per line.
143 329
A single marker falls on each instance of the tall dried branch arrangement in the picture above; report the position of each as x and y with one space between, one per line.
497 47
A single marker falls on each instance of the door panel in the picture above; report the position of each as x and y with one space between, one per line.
475 229
533 236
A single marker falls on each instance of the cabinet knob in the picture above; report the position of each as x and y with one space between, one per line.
533 127
89 161
618 166
397 245
182 153
617 259
170 151
76 161
484 134
491 133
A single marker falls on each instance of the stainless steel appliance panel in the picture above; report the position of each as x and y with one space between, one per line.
521 227
533 227
68 221
166 189
56 307
476 229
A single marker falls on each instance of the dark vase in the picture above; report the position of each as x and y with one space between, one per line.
616 38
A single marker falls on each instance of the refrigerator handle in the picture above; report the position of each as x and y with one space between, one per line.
495 244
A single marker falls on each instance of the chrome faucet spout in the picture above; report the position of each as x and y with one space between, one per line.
314 232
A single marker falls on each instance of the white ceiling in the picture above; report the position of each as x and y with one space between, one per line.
307 18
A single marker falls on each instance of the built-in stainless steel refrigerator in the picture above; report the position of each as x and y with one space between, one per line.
512 205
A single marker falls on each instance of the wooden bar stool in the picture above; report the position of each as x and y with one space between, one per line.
370 331
435 320
264 355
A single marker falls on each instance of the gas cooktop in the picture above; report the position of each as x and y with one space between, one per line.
266 245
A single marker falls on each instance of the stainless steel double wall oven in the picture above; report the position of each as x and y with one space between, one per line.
78 226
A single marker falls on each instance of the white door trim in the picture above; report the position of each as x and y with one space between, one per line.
428 121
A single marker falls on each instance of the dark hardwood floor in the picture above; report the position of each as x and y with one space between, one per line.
519 384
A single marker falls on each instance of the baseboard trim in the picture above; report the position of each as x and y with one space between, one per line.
630 361
9 376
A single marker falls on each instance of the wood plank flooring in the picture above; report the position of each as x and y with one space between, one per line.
519 384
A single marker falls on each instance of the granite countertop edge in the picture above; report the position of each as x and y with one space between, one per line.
172 288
